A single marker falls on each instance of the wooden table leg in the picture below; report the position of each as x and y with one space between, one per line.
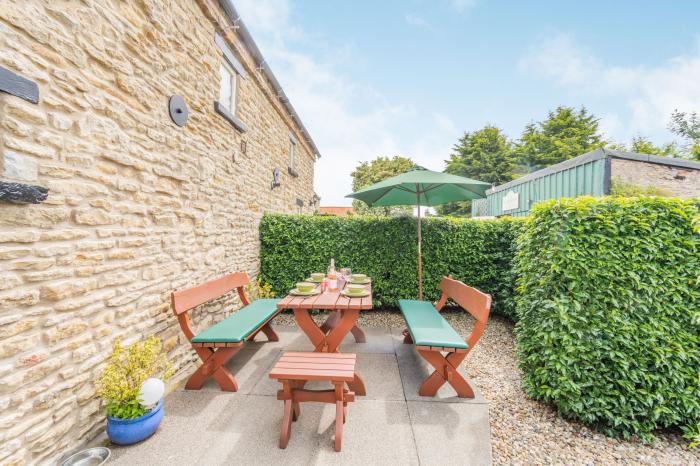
348 319
309 327
358 334
330 322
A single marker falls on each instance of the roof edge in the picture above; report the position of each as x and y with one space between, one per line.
594 155
249 42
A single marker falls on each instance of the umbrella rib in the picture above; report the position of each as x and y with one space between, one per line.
383 194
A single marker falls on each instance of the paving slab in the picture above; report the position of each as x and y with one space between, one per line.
184 433
379 371
248 366
451 433
414 370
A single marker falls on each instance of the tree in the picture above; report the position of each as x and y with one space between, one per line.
379 169
643 145
564 134
688 127
484 155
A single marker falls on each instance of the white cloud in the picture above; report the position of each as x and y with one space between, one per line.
416 21
649 93
461 6
349 121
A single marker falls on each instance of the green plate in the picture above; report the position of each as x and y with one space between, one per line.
355 295
313 281
361 282
295 292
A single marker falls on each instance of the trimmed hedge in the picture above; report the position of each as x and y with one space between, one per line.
480 253
608 306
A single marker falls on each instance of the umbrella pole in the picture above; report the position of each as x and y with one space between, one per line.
420 263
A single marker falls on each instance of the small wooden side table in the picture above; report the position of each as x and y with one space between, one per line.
294 369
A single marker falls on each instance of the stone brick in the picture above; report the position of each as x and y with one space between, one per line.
66 289
86 216
9 280
64 331
18 297
19 167
14 253
19 236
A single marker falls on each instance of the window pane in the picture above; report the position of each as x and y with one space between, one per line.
291 154
234 83
225 89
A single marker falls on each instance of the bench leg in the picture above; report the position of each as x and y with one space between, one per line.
445 371
213 366
270 332
358 385
407 340
286 424
339 415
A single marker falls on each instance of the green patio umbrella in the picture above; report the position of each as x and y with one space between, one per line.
421 187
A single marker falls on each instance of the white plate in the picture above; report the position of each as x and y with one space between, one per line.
363 295
295 292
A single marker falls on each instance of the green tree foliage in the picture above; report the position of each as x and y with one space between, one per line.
480 253
564 134
609 312
484 155
379 169
688 127
643 145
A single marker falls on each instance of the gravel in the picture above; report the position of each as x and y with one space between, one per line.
524 431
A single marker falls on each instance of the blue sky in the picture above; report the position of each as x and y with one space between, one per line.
372 78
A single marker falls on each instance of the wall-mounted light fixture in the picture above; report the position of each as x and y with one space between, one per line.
275 178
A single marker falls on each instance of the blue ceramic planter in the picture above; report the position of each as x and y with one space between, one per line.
128 431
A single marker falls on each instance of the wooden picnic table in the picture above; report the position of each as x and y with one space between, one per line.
326 338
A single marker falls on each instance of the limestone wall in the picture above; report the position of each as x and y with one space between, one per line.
137 205
680 182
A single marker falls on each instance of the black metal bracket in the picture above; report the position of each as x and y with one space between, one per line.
14 84
18 193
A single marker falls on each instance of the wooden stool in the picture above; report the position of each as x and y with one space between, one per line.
293 370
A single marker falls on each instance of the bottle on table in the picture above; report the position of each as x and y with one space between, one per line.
332 277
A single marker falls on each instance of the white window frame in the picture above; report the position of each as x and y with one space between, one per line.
292 153
231 105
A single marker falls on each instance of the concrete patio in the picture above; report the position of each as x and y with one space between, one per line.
392 424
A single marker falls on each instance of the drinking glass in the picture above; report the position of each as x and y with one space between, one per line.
346 272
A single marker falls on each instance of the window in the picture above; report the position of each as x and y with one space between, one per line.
291 162
230 71
227 91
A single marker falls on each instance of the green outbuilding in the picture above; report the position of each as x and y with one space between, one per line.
590 174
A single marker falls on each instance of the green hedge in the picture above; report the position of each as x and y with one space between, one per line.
481 253
608 307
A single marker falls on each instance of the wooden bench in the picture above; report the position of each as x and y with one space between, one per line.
220 342
293 370
433 336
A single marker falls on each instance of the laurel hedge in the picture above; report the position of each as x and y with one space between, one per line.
608 312
480 253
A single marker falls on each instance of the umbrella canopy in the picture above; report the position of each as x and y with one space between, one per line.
421 187
435 188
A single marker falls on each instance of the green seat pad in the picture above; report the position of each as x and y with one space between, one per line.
427 326
237 327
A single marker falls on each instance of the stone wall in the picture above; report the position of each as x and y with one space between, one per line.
680 182
137 205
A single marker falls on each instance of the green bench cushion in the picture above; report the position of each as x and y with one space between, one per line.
427 326
237 327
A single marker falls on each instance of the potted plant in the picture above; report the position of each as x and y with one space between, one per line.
132 387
